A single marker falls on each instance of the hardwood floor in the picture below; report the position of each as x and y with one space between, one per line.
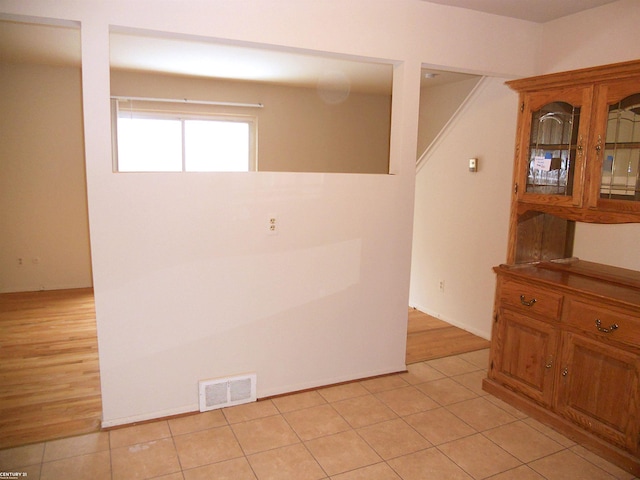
49 376
429 338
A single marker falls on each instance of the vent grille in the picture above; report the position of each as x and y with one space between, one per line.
226 392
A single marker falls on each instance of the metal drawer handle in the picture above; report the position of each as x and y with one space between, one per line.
525 303
603 329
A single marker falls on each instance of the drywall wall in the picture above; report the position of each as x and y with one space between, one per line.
598 36
461 218
44 230
609 244
437 106
297 130
188 283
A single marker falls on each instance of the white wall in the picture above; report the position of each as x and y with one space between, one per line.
609 244
437 106
187 284
461 218
607 34
43 198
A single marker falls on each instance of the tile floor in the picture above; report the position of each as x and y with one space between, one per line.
434 422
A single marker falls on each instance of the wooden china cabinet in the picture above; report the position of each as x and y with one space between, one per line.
566 332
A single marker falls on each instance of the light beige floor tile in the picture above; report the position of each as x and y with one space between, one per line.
287 463
478 456
481 414
316 422
145 460
427 464
236 469
171 476
549 432
12 458
479 358
298 401
451 366
342 392
250 411
419 373
264 434
30 472
207 446
522 472
398 418
439 426
379 471
566 465
446 391
74 446
506 407
472 381
342 452
406 401
146 432
96 466
380 384
363 411
393 438
602 463
197 422
522 441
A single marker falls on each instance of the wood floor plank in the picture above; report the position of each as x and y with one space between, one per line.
429 338
49 371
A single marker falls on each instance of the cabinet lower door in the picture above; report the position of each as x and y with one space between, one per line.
598 389
524 355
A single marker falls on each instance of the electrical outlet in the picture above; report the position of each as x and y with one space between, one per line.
441 286
272 225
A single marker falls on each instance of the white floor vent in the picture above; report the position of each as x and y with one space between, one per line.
226 392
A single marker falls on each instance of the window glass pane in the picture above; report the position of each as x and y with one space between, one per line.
216 146
621 162
149 145
552 149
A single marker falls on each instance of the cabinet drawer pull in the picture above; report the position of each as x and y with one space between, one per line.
604 329
527 303
565 371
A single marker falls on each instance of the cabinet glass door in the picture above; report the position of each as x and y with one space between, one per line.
553 149
620 173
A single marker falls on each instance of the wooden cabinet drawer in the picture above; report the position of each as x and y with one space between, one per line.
530 299
604 322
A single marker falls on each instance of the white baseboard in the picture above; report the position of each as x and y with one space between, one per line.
117 422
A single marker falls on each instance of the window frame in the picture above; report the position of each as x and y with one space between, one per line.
182 114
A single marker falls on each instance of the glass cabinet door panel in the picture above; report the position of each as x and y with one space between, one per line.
620 173
552 149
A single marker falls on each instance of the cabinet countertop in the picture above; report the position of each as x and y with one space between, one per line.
578 276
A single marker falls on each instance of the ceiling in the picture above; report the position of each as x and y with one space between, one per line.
200 57
539 11
58 43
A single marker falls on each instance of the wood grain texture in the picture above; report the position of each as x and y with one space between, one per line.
429 338
49 375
